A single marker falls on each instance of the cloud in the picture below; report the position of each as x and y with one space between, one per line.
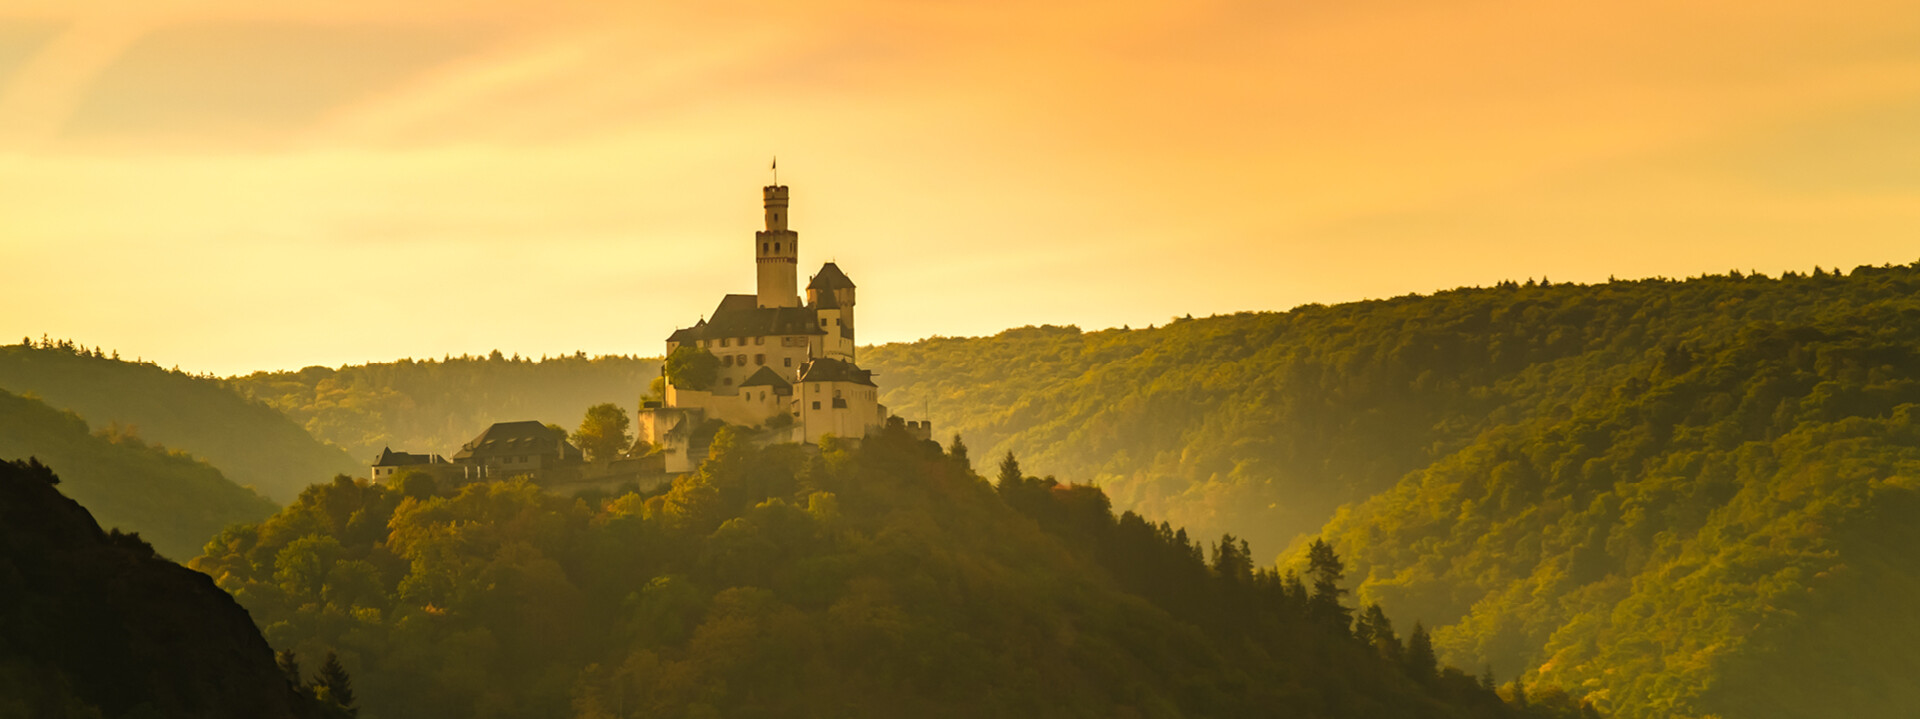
215 84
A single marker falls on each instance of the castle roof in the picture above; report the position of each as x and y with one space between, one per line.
515 438
741 316
687 334
827 369
767 377
390 458
830 278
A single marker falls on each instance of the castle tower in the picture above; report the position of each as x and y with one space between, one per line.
777 254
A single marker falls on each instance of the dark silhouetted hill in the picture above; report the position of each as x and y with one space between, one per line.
92 624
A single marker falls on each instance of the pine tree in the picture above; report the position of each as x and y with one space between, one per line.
958 450
1421 663
1324 605
289 666
333 684
1010 477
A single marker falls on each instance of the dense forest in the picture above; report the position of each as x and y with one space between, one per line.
173 500
884 580
433 406
1677 498
93 626
249 442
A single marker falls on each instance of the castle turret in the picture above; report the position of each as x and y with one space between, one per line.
777 254
830 294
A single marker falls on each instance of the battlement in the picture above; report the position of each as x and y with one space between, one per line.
921 429
774 192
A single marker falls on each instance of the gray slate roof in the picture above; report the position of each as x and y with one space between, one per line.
830 278
767 377
517 438
827 369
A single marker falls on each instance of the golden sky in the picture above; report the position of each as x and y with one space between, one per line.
230 186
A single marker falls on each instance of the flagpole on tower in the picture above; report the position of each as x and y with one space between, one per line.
776 170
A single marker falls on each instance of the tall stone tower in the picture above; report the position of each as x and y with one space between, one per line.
777 254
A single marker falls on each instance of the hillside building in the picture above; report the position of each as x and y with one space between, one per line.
389 463
785 365
511 449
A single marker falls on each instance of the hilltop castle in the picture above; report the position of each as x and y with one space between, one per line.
784 366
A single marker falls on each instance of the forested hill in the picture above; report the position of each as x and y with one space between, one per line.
433 406
1677 498
886 580
173 500
249 442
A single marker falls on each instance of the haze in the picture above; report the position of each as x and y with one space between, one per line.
235 186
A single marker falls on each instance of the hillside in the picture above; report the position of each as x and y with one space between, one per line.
878 582
92 624
433 406
173 500
249 442
1677 498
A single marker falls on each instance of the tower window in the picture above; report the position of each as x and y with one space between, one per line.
776 247
763 248
816 405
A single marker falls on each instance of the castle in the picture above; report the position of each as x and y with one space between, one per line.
784 366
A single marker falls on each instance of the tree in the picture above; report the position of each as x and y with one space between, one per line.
958 450
689 367
1376 631
1326 570
1232 561
1421 663
333 685
289 666
604 432
1010 476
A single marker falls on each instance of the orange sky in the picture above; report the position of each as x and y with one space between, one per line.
231 186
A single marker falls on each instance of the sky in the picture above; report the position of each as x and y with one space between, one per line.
235 186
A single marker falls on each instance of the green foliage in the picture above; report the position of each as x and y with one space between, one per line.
1671 498
604 433
690 367
882 580
432 406
173 500
250 442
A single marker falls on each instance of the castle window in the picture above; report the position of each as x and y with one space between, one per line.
759 359
743 360
776 245
726 361
759 340
789 361
723 341
728 381
816 405
763 247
